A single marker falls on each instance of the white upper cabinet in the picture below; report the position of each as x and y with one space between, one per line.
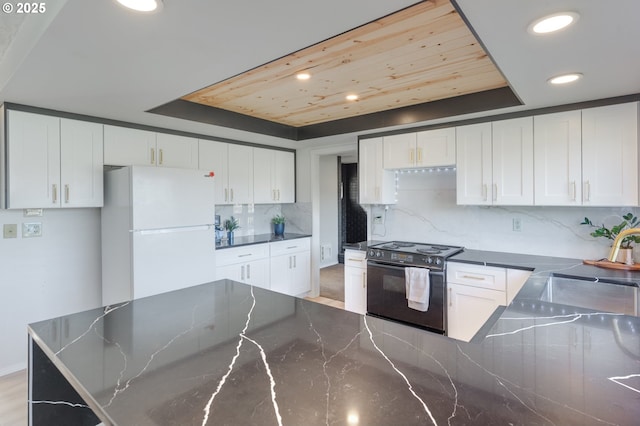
610 155
240 174
273 176
436 147
474 180
399 151
124 146
494 163
129 147
557 159
176 151
53 162
512 153
376 185
213 156
233 168
81 164
33 160
429 148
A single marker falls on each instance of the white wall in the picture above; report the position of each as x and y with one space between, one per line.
53 275
328 210
427 212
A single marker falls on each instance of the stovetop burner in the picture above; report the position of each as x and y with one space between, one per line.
429 250
397 245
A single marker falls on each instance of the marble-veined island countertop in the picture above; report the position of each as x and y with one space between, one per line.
225 353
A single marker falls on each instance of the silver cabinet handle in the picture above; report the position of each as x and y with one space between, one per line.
495 192
294 262
226 194
364 280
419 156
289 262
66 193
55 193
471 277
242 272
248 272
244 255
153 156
231 192
161 156
450 298
587 191
411 155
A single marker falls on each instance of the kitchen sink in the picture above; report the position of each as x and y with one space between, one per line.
601 296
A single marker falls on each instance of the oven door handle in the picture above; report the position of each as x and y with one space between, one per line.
385 266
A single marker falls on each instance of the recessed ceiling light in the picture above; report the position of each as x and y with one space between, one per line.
352 97
565 78
303 76
142 5
552 23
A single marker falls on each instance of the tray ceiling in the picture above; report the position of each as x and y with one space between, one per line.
418 55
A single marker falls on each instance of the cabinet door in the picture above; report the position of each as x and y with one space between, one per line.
230 272
376 185
610 155
512 149
213 156
473 163
81 174
469 308
436 147
301 273
557 147
33 160
177 151
400 151
355 290
263 165
280 273
127 147
257 273
240 174
285 176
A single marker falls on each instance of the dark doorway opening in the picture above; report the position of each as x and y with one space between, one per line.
353 218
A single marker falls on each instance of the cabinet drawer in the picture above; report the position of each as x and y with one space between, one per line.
477 276
290 246
248 253
355 258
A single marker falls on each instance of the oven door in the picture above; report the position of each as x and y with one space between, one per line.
386 297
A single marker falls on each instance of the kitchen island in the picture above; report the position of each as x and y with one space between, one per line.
229 353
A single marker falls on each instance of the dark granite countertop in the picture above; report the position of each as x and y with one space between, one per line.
259 239
361 246
227 353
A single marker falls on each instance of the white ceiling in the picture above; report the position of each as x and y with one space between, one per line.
96 58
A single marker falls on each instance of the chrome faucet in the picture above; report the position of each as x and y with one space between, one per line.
618 241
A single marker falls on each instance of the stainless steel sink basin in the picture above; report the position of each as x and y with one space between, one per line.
599 295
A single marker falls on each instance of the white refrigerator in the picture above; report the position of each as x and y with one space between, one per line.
158 231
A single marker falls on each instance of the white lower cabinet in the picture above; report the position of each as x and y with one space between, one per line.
248 264
355 281
291 266
474 293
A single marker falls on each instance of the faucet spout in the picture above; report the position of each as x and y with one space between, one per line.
618 241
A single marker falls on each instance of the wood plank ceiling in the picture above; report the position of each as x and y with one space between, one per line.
420 54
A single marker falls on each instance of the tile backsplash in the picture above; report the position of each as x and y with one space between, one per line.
256 218
426 211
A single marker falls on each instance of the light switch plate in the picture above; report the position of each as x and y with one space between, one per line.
32 229
10 230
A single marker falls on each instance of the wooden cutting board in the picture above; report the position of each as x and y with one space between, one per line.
605 263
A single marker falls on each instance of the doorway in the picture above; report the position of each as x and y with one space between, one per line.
352 217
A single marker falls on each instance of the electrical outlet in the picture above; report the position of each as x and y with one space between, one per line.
517 224
10 230
377 220
32 229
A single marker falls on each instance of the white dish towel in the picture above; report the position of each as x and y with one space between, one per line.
417 288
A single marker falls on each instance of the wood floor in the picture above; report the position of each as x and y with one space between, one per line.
331 286
13 399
